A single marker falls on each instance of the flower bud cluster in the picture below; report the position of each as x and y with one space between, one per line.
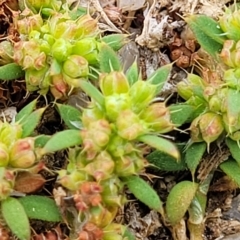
16 153
56 53
110 148
215 101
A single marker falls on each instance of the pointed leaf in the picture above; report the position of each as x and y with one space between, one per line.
233 112
181 113
69 115
208 33
92 91
160 76
41 208
179 200
31 122
194 155
232 169
62 140
26 111
108 59
132 74
160 144
11 71
41 140
143 192
165 162
16 218
115 41
234 149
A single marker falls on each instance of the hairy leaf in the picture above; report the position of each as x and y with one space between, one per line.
234 149
160 144
166 162
92 91
16 218
232 169
194 155
11 71
181 113
179 200
115 41
26 111
108 59
208 33
41 208
62 140
160 76
142 191
69 115
31 122
132 74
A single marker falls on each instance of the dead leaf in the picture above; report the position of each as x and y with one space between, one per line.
27 182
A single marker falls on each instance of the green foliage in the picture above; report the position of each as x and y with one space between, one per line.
181 113
179 200
160 76
11 71
115 41
108 59
92 92
161 144
41 208
25 112
166 162
70 115
62 140
31 122
208 33
194 154
15 217
234 149
232 169
142 191
132 74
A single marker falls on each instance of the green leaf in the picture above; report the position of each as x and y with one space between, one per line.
108 59
179 200
233 111
41 140
143 192
165 162
208 33
234 149
160 76
132 74
69 115
181 113
161 144
92 91
41 208
16 218
115 41
128 235
31 122
62 140
26 111
232 169
194 154
11 71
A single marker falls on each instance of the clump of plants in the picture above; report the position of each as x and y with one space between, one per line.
58 46
118 118
210 107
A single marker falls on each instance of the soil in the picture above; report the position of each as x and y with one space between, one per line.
155 27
